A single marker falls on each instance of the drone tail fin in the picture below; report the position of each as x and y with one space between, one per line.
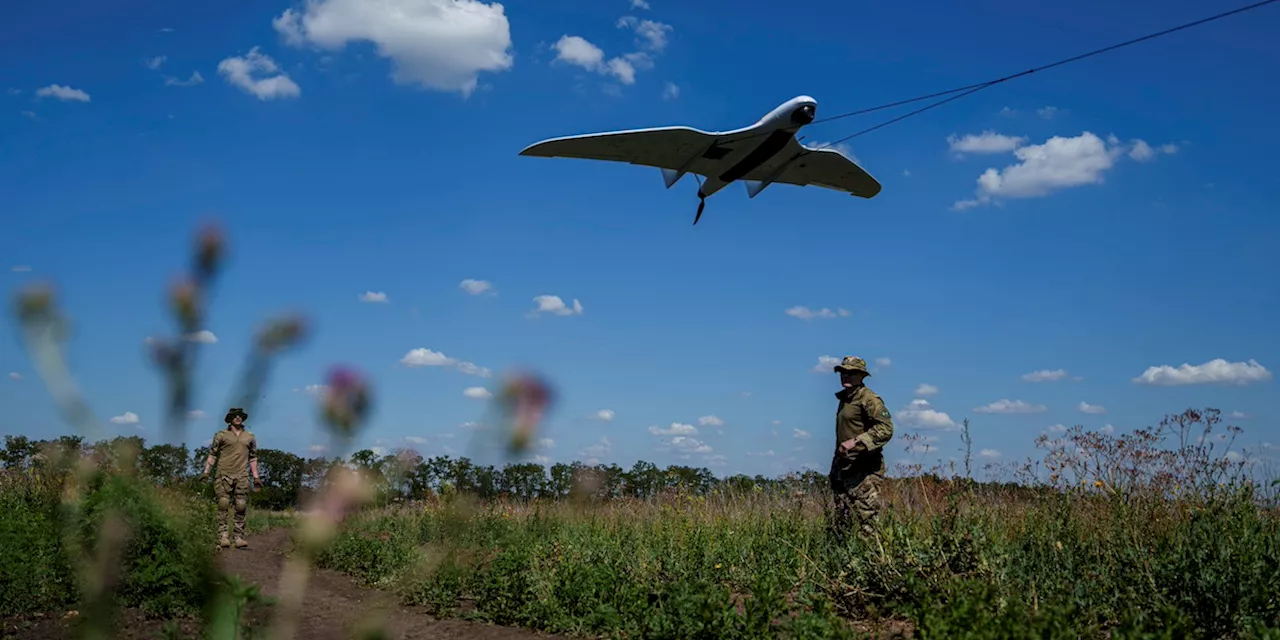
671 176
754 187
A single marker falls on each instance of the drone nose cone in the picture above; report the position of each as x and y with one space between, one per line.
803 115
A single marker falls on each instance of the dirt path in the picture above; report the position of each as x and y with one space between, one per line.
334 603
333 606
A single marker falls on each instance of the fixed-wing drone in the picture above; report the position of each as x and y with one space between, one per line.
759 155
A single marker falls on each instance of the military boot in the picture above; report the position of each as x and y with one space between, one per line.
241 543
224 541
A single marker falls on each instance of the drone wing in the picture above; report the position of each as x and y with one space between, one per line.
663 147
825 167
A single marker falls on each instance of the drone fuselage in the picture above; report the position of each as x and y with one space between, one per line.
769 135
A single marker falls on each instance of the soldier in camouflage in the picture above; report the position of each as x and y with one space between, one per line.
236 451
863 428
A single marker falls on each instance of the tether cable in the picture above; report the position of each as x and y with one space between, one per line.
974 88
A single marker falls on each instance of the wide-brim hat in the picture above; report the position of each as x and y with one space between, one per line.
852 363
236 411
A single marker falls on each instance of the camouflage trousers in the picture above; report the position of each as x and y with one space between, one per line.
855 485
232 490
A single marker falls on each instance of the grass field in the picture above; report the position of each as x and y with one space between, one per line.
1183 547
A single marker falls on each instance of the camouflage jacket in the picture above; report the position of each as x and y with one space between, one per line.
863 415
234 451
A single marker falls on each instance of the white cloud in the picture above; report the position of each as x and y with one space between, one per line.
20 268
478 393
127 417
203 336
1216 371
195 414
1142 151
421 357
920 414
195 79
1085 407
800 434
374 296
639 4
1047 112
676 429
555 306
154 63
926 390
825 364
1236 415
315 389
686 445
14 375
66 94
593 453
989 453
1057 428
1059 163
985 142
805 313
475 287
318 449
240 72
710 421
670 91
418 440
577 51
438 44
603 414
1011 406
1045 375
653 35
1107 429
884 363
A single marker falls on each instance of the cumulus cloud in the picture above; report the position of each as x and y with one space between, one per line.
478 393
191 81
676 429
592 454
475 287
155 62
14 375
1045 375
883 363
1085 407
1216 371
1011 406
20 268
710 421
603 414
651 39
126 418
990 454
195 414
555 306
65 94
422 357
926 390
825 363
985 142
805 313
1047 112
670 91
1056 164
800 434
258 74
438 44
920 414
374 296
203 336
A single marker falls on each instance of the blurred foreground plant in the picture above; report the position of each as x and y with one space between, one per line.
97 553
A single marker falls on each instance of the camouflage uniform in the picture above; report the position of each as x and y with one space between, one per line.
234 450
856 477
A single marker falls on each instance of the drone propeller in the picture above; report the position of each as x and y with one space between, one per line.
702 200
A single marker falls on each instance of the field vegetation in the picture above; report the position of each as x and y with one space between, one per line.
1162 532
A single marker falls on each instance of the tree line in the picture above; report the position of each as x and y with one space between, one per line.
288 480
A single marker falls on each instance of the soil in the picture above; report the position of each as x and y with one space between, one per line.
334 606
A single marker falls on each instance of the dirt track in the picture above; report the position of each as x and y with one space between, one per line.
334 605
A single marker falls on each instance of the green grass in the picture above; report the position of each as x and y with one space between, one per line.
1064 566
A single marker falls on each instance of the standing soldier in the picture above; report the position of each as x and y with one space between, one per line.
863 428
236 450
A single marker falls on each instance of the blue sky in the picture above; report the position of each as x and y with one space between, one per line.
1098 220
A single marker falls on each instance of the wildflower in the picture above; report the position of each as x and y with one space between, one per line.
346 401
1097 483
